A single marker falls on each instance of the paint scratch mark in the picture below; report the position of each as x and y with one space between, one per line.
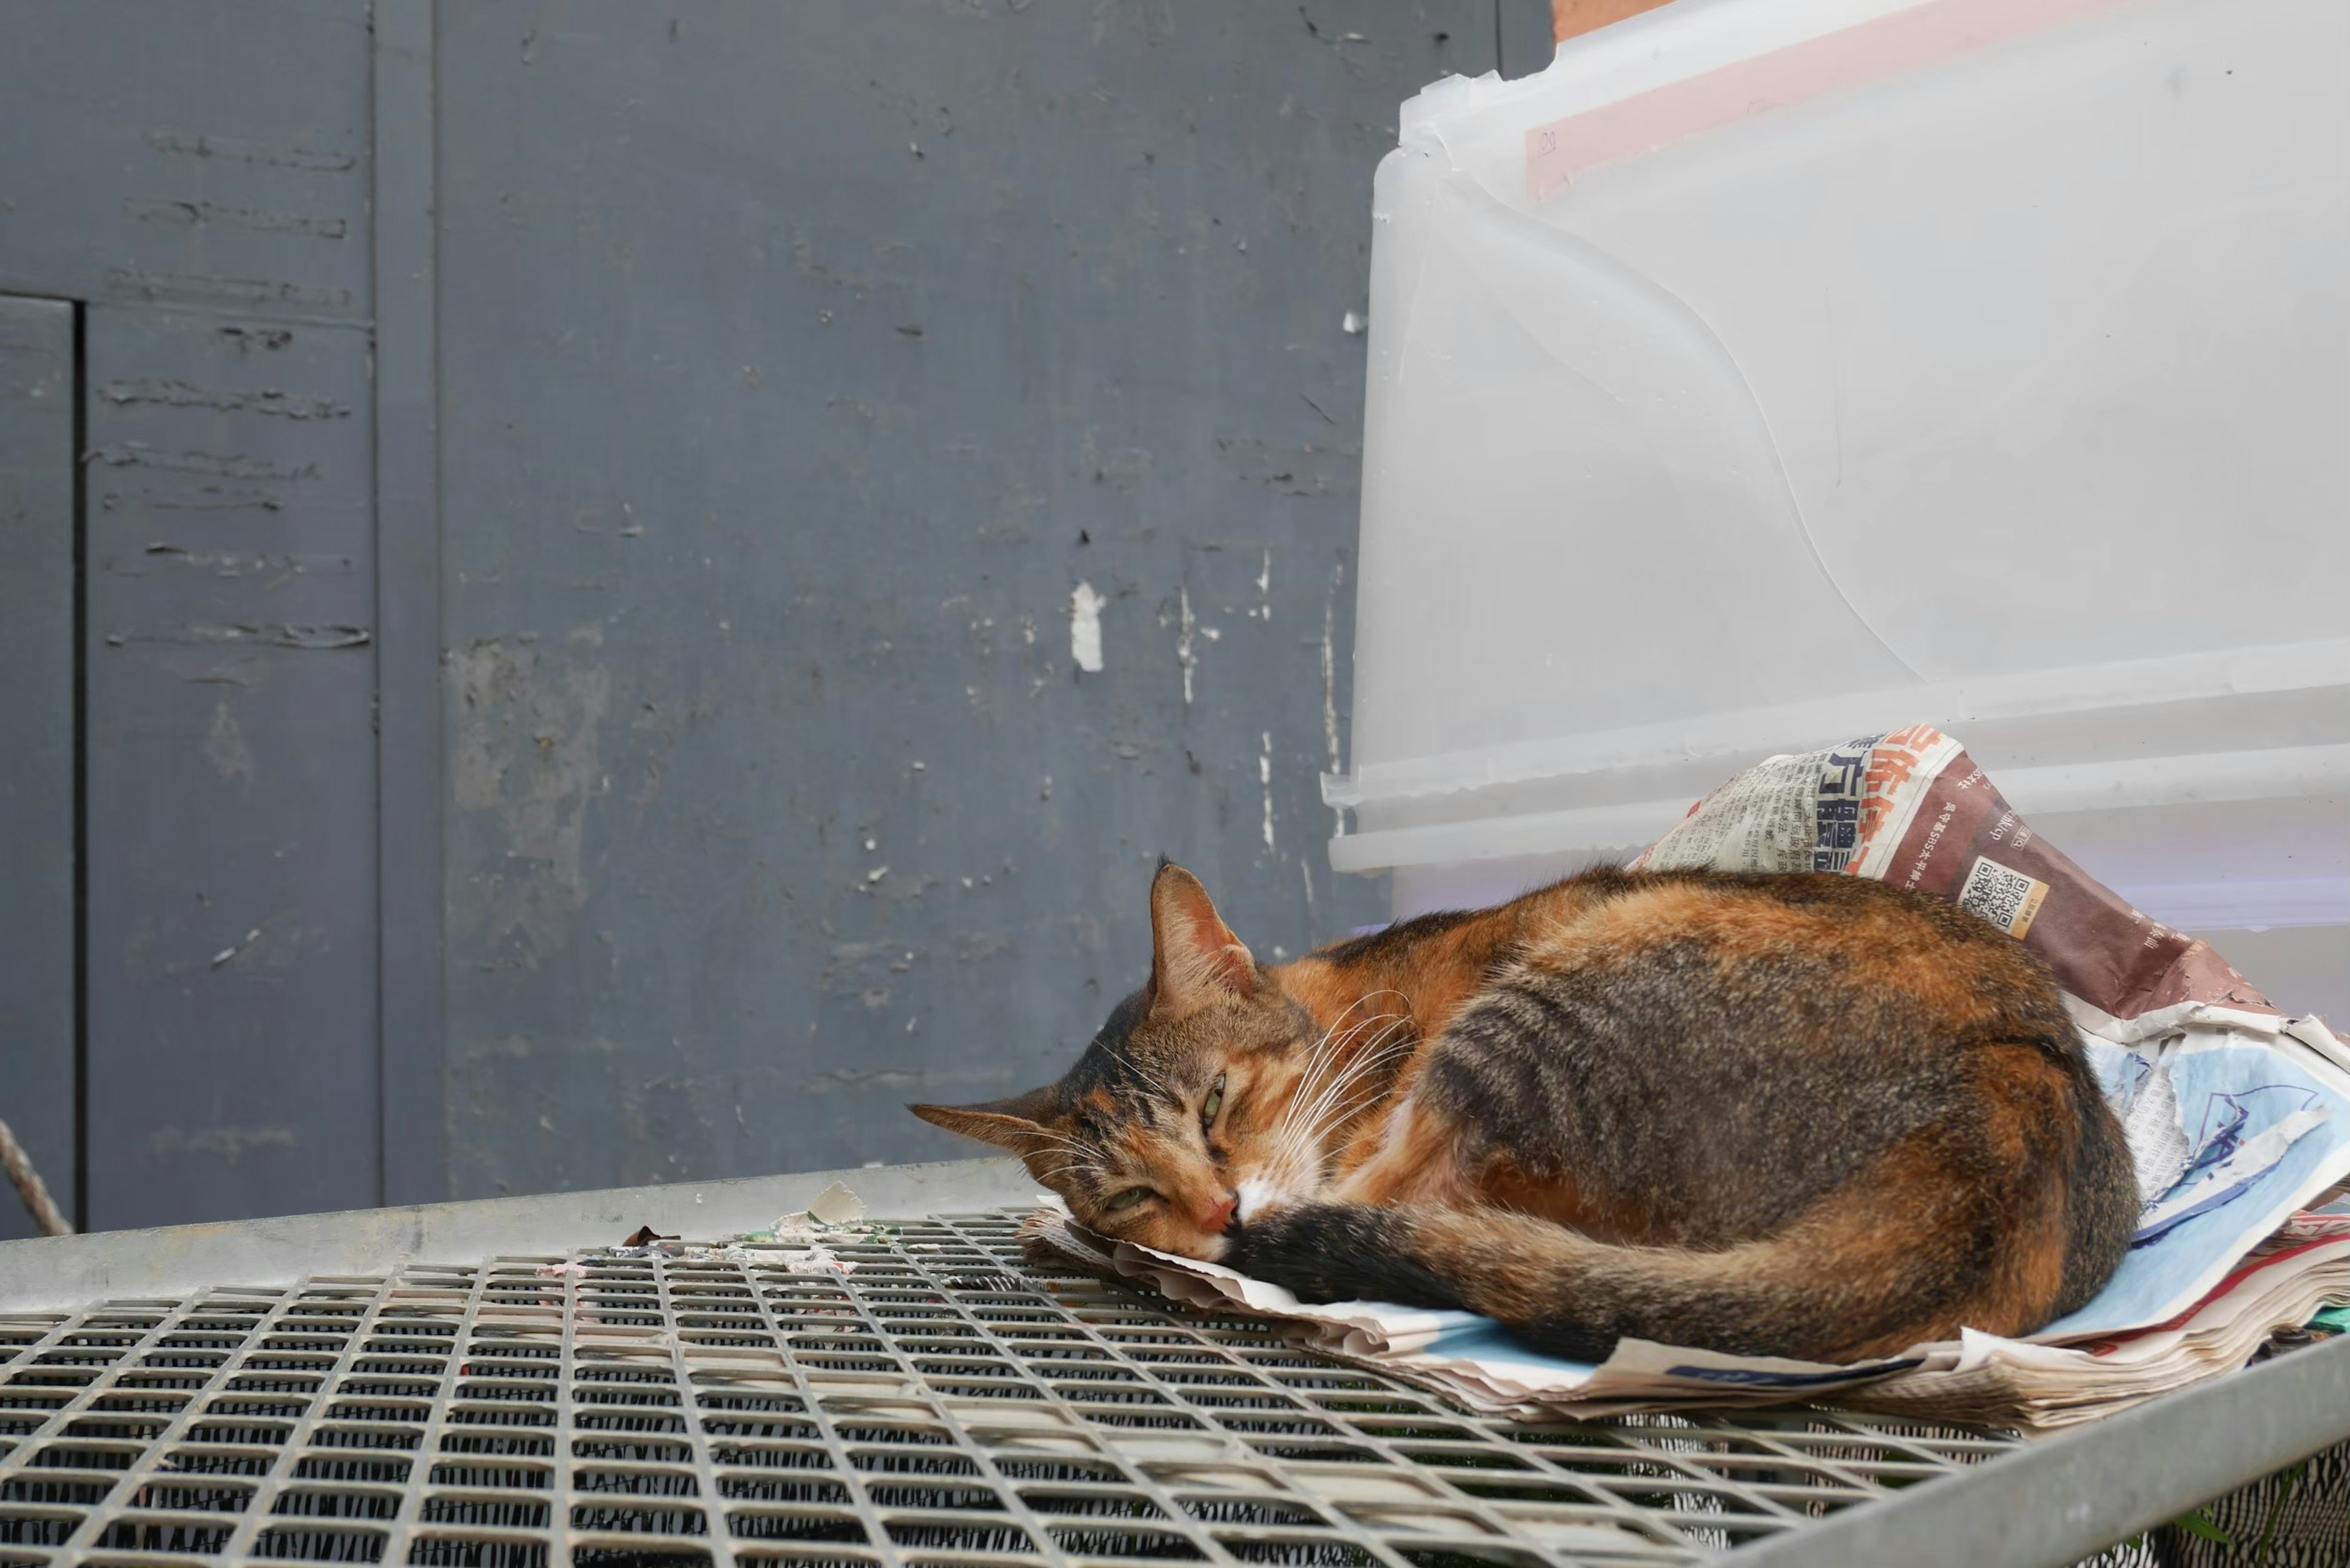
227 563
895 1079
1264 777
1084 627
228 953
229 1143
137 455
211 498
1264 589
174 394
277 634
1187 627
198 146
205 288
171 210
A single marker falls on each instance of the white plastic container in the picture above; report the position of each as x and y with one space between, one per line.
1770 372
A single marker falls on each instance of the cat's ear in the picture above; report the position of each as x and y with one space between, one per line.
1195 959
1018 1124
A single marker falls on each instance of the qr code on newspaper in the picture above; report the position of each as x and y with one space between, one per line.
2002 895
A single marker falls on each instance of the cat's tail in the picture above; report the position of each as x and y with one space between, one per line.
1905 1259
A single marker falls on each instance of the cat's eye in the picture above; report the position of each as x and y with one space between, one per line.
1128 1199
1212 1104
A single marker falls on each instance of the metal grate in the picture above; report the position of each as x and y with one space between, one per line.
942 1403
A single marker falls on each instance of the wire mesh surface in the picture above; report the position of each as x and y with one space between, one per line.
942 1403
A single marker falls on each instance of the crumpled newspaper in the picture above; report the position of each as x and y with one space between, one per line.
836 1214
802 1242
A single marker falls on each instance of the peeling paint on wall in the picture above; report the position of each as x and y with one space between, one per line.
1264 777
229 1144
170 392
224 747
1084 627
1188 627
524 728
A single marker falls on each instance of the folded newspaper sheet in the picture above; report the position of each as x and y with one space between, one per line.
2238 1119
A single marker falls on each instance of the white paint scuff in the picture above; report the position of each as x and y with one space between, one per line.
1187 624
1084 627
1264 777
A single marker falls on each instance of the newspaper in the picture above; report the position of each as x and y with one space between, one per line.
2238 1117
2242 1114
2296 1275
1912 809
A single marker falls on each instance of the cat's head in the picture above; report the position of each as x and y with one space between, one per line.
1176 1122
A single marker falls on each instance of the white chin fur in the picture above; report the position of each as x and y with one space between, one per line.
1257 1195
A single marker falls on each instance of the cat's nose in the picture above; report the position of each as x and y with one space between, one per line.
1219 1217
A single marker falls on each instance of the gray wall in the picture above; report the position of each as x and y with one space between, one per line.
603 708
818 367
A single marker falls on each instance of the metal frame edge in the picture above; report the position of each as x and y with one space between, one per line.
2079 1491
66 1273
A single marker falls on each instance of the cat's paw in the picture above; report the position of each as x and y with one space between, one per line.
1289 1247
1340 1252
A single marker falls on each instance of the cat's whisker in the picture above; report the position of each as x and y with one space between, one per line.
1333 1041
1053 1142
1331 1116
1328 1050
1327 1094
1068 1158
1303 1143
1343 1111
1383 1047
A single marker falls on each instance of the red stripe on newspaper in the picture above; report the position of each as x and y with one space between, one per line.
1871 51
2242 1271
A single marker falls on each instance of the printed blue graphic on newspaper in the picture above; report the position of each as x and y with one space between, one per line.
2265 1132
1500 1353
1477 1338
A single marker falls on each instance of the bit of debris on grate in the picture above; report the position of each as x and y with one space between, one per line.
916 1395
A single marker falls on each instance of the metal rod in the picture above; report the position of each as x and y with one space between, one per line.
29 1186
2054 1501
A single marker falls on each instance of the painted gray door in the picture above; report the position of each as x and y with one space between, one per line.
36 743
596 516
198 176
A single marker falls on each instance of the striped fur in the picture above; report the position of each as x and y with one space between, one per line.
1793 1115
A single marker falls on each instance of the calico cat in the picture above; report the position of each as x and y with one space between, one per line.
1786 1114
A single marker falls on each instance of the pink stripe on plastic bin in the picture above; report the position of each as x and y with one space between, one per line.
1870 51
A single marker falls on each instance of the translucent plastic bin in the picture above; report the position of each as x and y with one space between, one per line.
1770 372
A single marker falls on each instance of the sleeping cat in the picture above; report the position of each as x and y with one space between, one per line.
1806 1115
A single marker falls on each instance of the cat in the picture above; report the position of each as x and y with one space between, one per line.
1808 1116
